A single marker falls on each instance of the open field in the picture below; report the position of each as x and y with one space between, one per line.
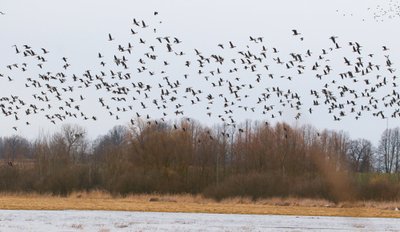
105 221
197 204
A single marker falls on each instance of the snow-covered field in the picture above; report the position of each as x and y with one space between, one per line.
22 220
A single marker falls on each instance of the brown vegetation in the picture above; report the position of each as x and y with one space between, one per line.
98 200
254 160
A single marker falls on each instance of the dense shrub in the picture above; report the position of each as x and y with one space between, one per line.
379 188
266 185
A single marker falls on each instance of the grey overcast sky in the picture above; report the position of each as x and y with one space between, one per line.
78 30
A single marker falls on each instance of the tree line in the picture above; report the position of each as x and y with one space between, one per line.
254 159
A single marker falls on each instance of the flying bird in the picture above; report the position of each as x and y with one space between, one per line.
295 32
110 38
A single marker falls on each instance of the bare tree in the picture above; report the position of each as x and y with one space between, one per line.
389 150
16 147
1 148
74 137
360 155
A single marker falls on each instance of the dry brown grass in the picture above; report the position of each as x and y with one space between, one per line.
98 200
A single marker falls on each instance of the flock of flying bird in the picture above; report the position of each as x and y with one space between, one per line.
154 76
387 10
390 10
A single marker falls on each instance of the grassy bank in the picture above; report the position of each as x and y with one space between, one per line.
196 204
